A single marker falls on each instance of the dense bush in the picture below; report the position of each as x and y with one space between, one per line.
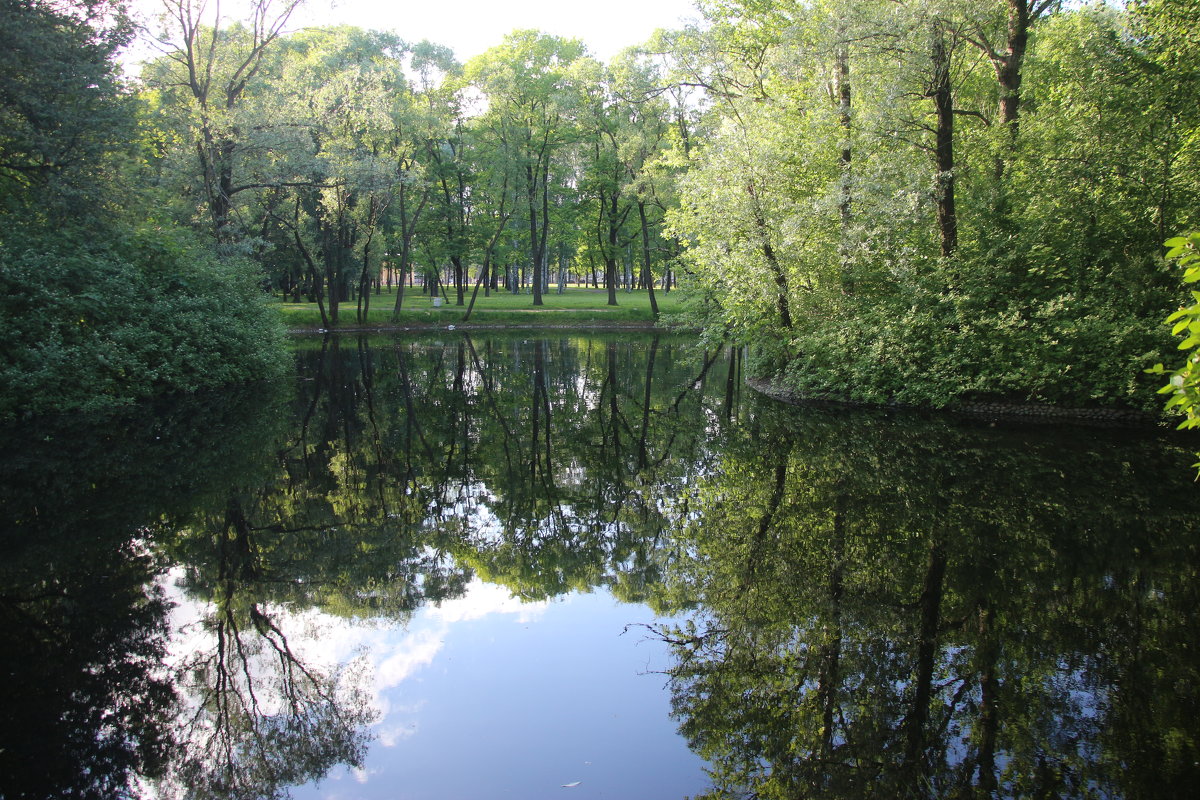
125 314
934 349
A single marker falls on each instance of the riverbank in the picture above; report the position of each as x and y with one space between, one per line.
987 411
649 326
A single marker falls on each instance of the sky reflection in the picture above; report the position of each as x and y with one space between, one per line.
487 696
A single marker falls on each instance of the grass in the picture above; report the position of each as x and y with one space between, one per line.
577 306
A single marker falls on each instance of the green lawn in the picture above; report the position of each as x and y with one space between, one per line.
577 306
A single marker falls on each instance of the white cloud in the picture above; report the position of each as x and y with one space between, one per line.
483 599
410 654
392 735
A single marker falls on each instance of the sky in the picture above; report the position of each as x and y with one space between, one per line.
472 26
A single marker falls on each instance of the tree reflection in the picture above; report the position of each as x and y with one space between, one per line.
260 718
910 609
85 708
538 463
878 606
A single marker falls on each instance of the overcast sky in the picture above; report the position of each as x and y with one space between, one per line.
472 26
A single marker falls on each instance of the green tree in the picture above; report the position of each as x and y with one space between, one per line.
102 308
211 70
342 86
868 217
1184 384
62 111
528 93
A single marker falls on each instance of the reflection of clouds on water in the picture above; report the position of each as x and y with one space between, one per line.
396 659
392 735
394 655
372 664
483 599
410 654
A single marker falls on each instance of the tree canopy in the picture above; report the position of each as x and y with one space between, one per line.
920 202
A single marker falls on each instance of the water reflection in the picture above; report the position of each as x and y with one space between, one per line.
902 608
873 605
544 465
85 705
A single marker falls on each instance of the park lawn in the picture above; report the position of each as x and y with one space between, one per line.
576 306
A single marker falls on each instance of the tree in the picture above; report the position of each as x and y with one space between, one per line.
1184 384
944 187
525 83
61 106
344 85
102 307
216 65
448 158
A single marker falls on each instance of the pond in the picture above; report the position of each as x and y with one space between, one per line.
545 566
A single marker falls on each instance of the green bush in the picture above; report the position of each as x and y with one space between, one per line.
99 318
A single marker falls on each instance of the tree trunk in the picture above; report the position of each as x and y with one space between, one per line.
647 275
535 255
943 101
408 225
845 161
364 285
782 303
610 252
460 290
1008 65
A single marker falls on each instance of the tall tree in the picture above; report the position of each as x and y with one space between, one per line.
525 82
61 110
216 63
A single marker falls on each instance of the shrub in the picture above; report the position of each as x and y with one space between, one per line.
99 318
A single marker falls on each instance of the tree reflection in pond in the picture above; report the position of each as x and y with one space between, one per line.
85 707
892 607
258 718
873 605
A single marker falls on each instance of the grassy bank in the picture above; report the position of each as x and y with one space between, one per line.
576 306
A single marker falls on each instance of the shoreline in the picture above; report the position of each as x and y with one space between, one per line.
989 411
985 411
423 327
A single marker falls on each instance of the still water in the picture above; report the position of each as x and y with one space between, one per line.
584 567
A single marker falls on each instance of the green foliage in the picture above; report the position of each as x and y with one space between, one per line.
100 310
835 213
60 105
1184 384
125 314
